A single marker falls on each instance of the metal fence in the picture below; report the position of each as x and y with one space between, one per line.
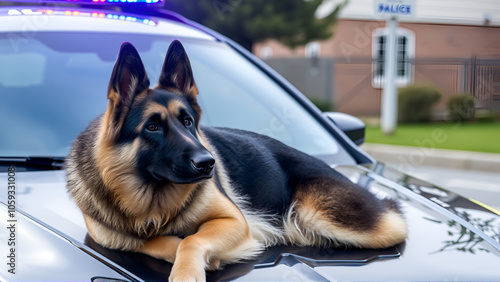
482 79
351 83
312 76
474 76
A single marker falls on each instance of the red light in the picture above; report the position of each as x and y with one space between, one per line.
49 12
94 14
102 15
67 13
76 13
95 0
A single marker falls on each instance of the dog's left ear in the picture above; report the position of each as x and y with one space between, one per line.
128 79
176 72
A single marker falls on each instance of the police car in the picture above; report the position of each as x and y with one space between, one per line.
55 63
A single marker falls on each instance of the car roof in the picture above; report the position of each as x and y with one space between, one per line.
27 19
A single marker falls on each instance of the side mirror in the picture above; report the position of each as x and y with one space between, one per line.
353 127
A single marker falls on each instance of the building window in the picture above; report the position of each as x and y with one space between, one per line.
312 49
405 49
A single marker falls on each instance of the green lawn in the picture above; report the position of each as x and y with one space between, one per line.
481 137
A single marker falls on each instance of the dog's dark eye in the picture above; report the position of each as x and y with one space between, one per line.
152 127
188 121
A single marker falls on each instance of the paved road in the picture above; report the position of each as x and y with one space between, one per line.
478 185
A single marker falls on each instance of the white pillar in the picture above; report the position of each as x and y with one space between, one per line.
389 106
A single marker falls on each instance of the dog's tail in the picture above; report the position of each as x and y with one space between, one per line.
391 228
350 217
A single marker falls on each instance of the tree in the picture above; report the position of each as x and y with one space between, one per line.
293 22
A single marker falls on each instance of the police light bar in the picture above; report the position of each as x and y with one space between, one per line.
81 13
101 2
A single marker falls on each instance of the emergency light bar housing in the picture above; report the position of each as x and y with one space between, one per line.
97 2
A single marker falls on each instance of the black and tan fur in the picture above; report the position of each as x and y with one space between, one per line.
148 179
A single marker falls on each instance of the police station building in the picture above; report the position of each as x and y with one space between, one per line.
452 44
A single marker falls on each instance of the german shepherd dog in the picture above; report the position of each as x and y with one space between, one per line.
148 179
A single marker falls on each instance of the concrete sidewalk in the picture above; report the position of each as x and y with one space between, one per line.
405 157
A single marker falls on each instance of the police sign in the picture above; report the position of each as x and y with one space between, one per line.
394 8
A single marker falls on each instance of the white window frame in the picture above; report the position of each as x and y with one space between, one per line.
409 53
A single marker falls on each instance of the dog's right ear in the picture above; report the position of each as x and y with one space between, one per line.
127 80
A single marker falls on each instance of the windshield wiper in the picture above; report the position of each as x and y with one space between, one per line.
35 162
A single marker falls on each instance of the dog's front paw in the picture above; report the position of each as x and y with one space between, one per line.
182 273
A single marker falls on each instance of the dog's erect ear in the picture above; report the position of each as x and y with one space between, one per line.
176 72
127 80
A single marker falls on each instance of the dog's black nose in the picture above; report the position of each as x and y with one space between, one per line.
203 162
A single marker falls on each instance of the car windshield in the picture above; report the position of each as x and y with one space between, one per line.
54 83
